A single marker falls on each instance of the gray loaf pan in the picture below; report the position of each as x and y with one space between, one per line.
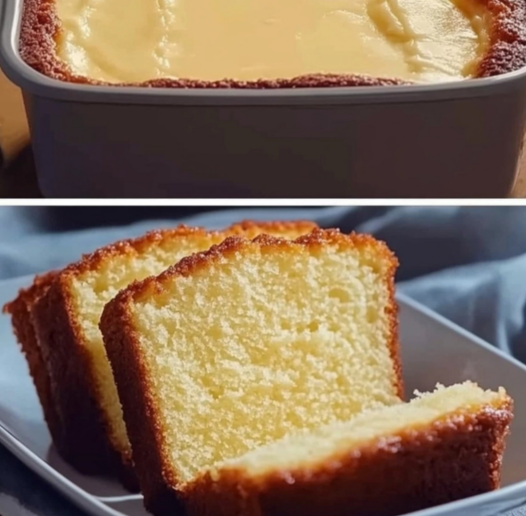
460 139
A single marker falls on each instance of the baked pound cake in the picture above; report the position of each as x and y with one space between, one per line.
440 447
271 43
69 364
246 343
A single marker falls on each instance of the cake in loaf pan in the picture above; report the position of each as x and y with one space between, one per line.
249 342
56 322
273 44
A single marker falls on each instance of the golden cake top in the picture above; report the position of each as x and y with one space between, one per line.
247 40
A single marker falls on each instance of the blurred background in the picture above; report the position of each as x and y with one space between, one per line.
426 239
55 219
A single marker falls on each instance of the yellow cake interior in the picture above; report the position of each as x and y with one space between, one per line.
262 344
416 40
368 427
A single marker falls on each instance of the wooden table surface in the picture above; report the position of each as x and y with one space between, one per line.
18 178
13 125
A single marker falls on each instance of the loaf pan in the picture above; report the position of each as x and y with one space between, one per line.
450 140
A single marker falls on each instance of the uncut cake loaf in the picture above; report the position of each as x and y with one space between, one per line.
246 343
56 323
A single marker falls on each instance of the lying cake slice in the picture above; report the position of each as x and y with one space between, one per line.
68 363
440 447
246 343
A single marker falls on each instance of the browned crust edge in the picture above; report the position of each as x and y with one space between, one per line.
253 227
19 310
83 442
455 457
156 478
71 396
139 413
138 245
40 24
22 311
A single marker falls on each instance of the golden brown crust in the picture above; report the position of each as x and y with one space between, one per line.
455 457
19 310
63 435
130 247
507 51
251 228
155 475
137 246
266 243
83 441
40 25
129 371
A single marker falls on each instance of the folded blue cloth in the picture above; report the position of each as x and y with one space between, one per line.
469 264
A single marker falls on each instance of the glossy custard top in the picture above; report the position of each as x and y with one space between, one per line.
129 41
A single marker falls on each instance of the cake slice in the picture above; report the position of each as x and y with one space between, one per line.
56 322
19 309
246 343
440 447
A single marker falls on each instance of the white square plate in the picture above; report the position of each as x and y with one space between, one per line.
433 350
